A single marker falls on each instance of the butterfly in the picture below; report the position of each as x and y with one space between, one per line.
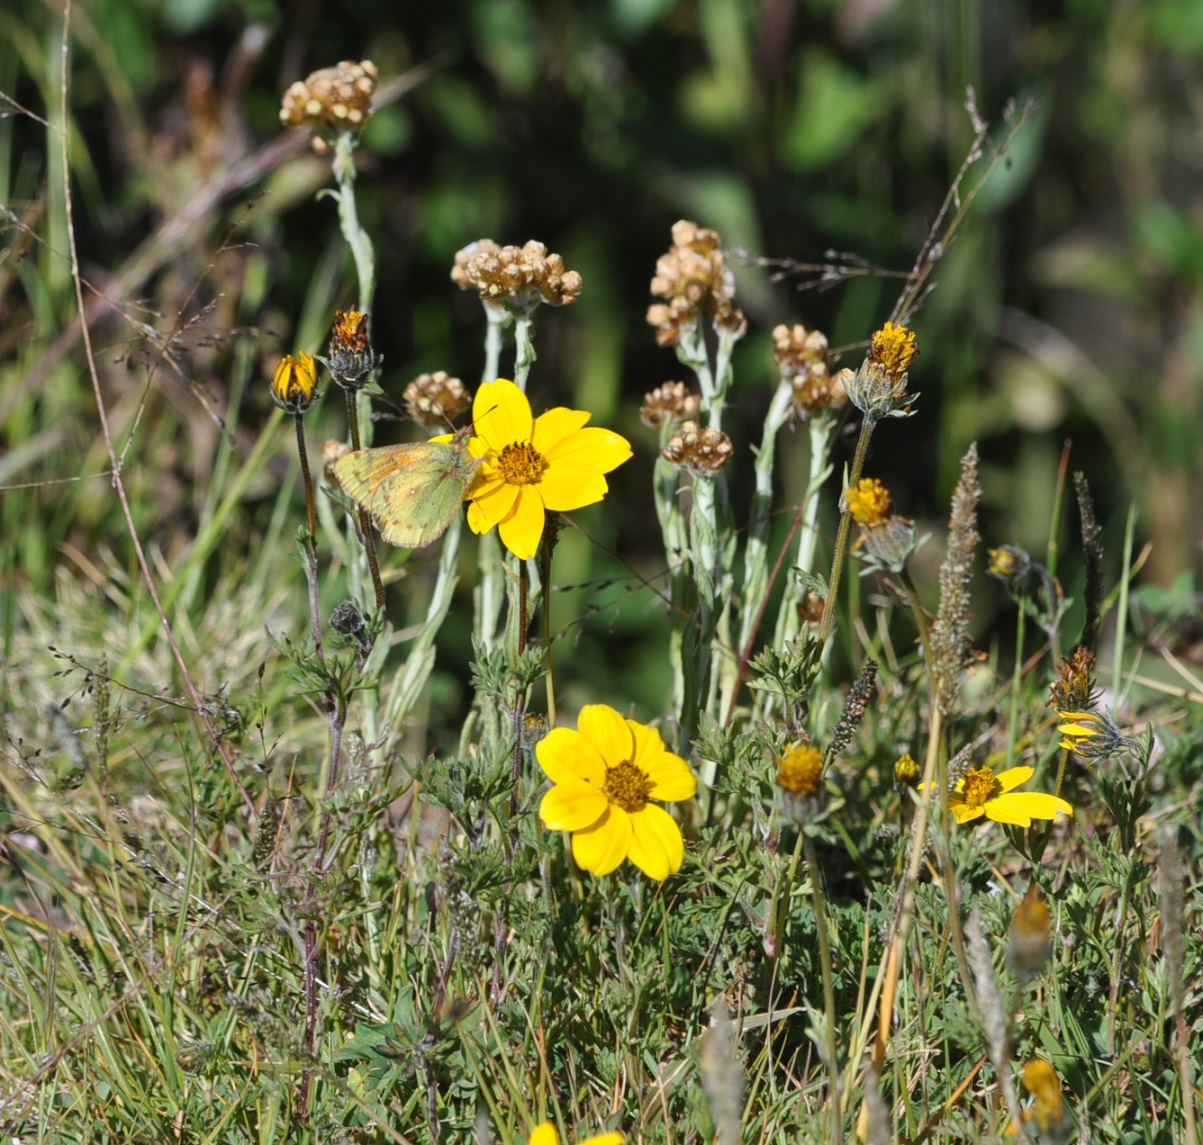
411 491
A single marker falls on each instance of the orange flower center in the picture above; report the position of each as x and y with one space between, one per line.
979 786
521 464
627 786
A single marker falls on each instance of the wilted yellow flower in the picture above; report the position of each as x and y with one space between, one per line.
350 356
906 771
605 773
295 386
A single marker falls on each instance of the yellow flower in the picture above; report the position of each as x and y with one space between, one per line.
295 384
869 503
546 1134
604 774
980 792
1049 1114
532 464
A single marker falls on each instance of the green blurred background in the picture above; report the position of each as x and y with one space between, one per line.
1068 307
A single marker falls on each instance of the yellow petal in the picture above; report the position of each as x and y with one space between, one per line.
1083 731
572 807
601 848
600 448
603 1139
1003 810
657 848
491 504
608 732
1032 804
1013 777
567 756
544 1134
501 414
963 813
567 487
1089 717
522 530
552 427
672 780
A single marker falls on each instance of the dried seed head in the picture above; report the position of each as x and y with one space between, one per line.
516 278
704 452
1073 690
436 400
810 609
950 640
693 279
350 355
331 100
855 705
294 388
801 356
668 403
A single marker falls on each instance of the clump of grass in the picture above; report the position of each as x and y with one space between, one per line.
240 906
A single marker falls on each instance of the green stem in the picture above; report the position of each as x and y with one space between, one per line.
841 540
816 893
1016 681
343 165
365 522
524 350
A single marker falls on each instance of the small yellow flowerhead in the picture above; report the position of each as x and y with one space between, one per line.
800 778
888 539
1049 1114
906 771
1008 563
350 356
869 503
1031 937
295 386
878 388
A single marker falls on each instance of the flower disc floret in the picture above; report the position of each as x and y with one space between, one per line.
531 465
605 774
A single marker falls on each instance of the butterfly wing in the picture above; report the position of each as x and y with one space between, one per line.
412 491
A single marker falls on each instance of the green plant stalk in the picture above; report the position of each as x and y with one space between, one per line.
1016 687
343 165
841 540
822 429
497 318
524 344
756 571
948 871
1053 547
816 892
419 663
1121 615
365 521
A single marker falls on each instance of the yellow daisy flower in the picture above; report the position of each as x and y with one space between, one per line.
529 465
604 774
980 792
546 1134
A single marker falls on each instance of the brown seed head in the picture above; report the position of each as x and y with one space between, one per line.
435 400
704 452
1073 690
517 278
331 99
668 403
693 279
